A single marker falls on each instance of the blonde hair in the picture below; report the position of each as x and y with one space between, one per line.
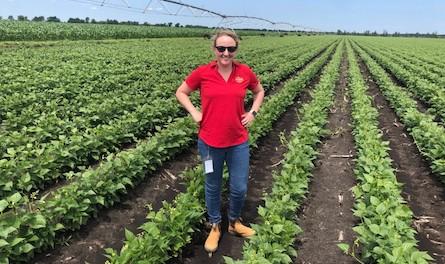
225 32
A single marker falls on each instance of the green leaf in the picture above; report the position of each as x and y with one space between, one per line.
16 241
374 228
3 205
344 247
39 222
261 211
15 197
3 243
6 231
277 229
129 235
374 200
100 200
26 248
228 260
381 208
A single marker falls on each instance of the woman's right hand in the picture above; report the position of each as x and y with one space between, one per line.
197 117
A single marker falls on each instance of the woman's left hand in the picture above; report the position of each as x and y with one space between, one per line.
247 119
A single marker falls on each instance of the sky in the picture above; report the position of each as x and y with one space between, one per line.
404 16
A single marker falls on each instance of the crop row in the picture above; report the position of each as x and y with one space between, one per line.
385 234
89 86
428 62
429 92
428 135
34 225
414 63
169 229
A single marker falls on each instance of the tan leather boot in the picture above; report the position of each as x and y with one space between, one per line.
211 244
238 229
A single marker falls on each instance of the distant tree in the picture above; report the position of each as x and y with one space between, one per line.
93 21
178 25
129 23
87 20
52 19
38 19
396 34
170 24
10 18
112 21
374 33
75 20
22 18
385 33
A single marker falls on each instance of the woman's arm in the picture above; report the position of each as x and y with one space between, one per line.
183 95
258 96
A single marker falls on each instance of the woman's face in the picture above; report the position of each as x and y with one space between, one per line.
225 44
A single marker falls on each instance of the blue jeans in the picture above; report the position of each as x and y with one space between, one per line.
237 160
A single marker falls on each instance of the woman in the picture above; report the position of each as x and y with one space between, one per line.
223 135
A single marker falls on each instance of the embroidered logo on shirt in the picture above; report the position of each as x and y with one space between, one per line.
239 79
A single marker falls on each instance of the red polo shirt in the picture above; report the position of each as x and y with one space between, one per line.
222 103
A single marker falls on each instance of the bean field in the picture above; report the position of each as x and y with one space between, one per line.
99 162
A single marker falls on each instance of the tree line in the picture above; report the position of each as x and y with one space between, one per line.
386 34
88 20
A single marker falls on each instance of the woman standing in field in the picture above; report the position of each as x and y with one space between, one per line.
223 135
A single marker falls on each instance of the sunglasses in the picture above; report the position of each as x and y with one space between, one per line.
229 49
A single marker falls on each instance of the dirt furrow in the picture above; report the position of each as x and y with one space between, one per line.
422 190
326 217
107 230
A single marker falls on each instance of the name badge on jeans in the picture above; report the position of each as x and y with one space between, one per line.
208 166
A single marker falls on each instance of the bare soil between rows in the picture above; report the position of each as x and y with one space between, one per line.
107 229
422 189
326 216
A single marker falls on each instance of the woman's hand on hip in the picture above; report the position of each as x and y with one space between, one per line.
247 119
197 117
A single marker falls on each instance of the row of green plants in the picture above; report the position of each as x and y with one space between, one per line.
427 91
71 206
414 64
169 229
90 84
428 50
34 225
411 53
30 168
276 234
428 135
385 234
41 31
